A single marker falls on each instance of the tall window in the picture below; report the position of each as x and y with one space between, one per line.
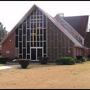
31 33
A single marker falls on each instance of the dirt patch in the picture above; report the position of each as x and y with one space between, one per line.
47 76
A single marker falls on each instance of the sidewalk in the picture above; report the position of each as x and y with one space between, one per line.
5 67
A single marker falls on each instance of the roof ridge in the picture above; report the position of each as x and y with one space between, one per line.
55 21
52 19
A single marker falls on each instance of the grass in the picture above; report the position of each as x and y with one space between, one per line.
47 76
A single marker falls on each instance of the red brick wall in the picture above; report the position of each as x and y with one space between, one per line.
88 52
0 52
8 46
78 51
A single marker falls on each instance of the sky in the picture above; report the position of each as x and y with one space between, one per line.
11 12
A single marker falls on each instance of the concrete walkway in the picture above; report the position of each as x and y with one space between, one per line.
5 67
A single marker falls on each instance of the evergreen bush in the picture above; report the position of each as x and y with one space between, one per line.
65 61
24 63
80 59
43 60
3 60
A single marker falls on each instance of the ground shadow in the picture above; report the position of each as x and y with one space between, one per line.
38 65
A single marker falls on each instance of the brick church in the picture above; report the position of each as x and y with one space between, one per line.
38 34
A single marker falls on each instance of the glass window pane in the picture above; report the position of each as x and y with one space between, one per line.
31 44
28 56
28 47
20 26
20 56
17 31
24 28
24 41
20 38
44 34
32 15
34 30
37 31
32 25
40 44
31 38
37 44
37 38
20 47
34 38
24 53
44 18
20 32
44 47
40 24
28 22
34 44
16 41
31 30
40 31
40 38
28 35
37 24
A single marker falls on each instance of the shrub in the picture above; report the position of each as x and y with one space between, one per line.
24 63
43 60
80 59
65 61
3 60
88 58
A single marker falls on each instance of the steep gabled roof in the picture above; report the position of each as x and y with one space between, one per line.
22 19
87 40
58 25
70 29
62 29
80 23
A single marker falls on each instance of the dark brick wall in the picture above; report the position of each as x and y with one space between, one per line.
57 42
8 46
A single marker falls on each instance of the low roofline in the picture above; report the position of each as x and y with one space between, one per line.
77 16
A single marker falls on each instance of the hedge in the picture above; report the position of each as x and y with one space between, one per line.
88 58
80 59
65 61
3 60
43 60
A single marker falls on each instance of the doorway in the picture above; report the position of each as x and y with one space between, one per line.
36 52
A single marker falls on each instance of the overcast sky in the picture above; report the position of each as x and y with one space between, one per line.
12 11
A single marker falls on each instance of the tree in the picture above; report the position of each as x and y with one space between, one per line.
3 32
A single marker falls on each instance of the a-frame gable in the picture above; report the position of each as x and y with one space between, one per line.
52 19
20 22
55 22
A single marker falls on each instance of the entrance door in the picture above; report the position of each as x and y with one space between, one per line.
33 54
36 52
39 52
